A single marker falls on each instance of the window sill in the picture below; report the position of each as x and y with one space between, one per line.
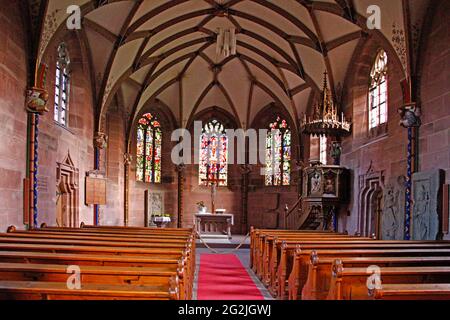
63 127
375 139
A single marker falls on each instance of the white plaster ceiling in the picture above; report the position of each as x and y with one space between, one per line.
160 49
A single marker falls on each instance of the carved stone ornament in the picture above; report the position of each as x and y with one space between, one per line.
245 169
410 116
36 100
180 168
127 158
101 140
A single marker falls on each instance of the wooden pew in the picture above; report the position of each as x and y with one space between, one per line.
157 260
185 272
268 241
136 276
117 247
352 283
35 290
412 292
318 282
257 238
287 262
299 274
96 236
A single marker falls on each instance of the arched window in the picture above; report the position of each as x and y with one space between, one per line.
278 154
213 154
378 93
62 86
149 149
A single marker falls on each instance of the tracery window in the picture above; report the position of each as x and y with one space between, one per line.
213 154
378 92
62 86
278 154
149 149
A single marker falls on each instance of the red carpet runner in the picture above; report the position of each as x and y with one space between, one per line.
223 277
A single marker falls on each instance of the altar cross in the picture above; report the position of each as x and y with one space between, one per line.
214 182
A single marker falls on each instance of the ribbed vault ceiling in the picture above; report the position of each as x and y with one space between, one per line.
142 51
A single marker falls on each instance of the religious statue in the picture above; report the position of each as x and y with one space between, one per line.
201 207
336 152
420 215
37 100
410 115
329 185
127 158
101 140
316 182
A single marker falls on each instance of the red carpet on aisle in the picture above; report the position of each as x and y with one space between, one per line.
223 277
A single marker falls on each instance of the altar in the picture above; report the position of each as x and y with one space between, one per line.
214 225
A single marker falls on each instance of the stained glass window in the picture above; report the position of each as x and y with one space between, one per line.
378 93
149 147
213 154
278 154
62 86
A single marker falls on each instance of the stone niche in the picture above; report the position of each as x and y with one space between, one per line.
427 205
393 214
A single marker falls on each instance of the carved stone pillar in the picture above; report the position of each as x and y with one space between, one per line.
245 172
181 169
127 158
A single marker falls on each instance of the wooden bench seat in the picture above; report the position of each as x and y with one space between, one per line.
157 260
159 243
35 290
257 237
299 273
351 283
94 236
318 281
282 267
265 248
114 263
412 292
89 274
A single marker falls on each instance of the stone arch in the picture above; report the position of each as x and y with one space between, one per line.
67 186
371 185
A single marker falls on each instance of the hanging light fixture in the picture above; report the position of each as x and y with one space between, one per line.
326 120
226 42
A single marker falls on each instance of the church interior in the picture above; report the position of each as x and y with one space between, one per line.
344 110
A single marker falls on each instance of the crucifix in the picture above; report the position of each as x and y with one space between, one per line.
214 182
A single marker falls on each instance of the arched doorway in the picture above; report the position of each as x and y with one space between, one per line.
370 202
67 188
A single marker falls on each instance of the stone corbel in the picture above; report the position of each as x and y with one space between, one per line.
127 159
37 97
101 140
36 100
